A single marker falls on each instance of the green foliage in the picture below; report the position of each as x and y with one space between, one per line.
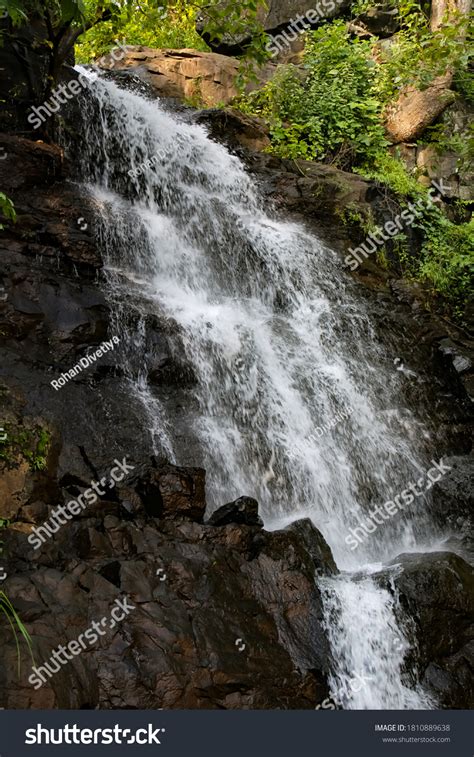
389 170
447 260
463 80
329 111
148 24
363 219
168 23
60 11
333 110
7 209
30 444
17 627
417 55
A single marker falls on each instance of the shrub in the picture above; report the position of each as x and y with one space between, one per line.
447 261
329 110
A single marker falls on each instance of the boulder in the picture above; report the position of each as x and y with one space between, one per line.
216 620
437 591
417 109
380 21
234 128
197 77
456 171
243 511
452 503
169 491
316 545
278 18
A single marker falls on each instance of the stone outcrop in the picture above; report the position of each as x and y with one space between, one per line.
379 21
243 510
201 78
276 17
431 162
437 592
417 109
225 615
235 128
453 499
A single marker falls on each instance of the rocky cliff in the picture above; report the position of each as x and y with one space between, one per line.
225 614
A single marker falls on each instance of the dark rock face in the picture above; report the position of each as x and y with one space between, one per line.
458 357
381 21
52 219
225 617
222 617
244 511
437 590
236 129
317 547
314 191
276 17
453 498
169 491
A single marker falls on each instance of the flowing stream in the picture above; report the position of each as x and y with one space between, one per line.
291 398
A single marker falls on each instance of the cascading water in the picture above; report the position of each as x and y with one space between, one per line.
292 400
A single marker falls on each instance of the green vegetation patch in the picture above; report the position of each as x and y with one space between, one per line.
32 445
328 109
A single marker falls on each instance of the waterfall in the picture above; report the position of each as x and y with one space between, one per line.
288 395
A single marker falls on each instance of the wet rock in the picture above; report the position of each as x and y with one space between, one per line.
234 128
35 163
166 362
52 219
169 491
458 357
314 191
243 511
315 544
452 503
213 624
437 591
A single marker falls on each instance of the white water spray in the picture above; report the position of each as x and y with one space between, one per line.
280 343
